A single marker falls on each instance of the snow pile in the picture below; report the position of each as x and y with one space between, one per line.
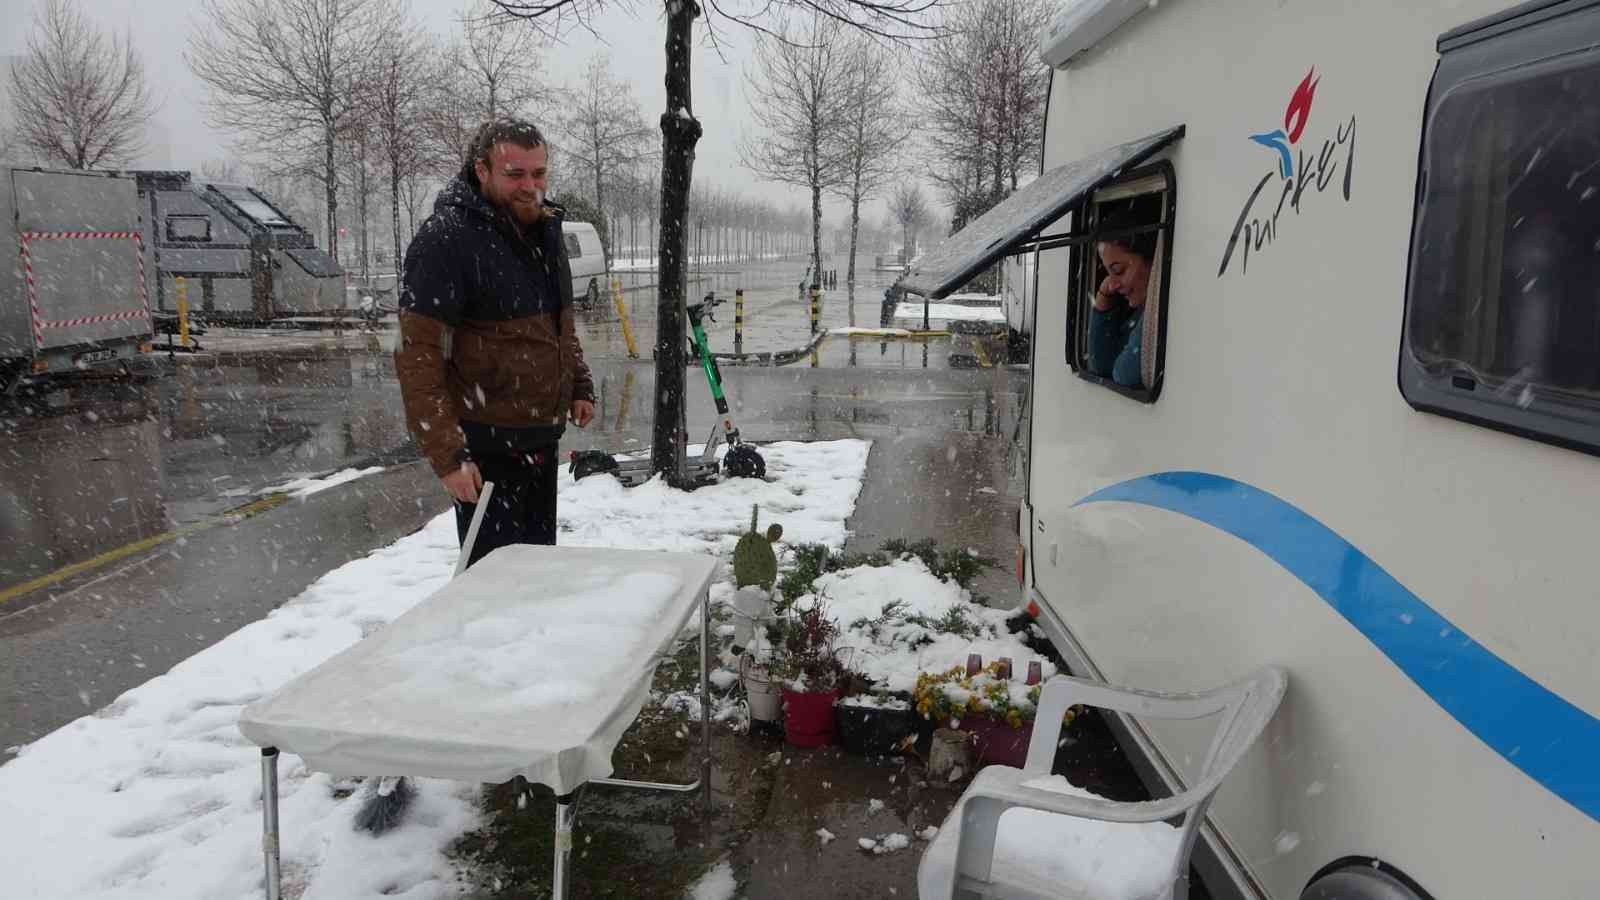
305 487
884 843
950 312
1070 855
901 619
716 884
158 795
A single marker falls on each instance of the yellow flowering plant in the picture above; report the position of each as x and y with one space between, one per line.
953 695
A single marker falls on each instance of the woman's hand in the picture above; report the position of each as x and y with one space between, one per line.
1106 297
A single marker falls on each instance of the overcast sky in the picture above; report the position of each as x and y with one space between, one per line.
180 137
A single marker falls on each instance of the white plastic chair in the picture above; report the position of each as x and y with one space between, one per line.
961 862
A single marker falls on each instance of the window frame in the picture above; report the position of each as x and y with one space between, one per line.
573 245
1512 49
1080 268
188 217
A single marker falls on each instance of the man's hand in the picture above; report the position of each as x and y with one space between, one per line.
463 483
582 413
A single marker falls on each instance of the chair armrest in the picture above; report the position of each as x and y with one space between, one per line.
1012 793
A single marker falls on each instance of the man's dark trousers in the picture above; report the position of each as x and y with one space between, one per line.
523 507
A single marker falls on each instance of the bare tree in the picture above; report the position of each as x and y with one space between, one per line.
889 19
985 132
288 74
909 208
871 132
602 127
396 98
490 70
797 99
80 97
224 171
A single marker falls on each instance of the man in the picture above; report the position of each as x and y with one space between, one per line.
489 362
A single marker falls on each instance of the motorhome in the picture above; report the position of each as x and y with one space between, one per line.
243 258
1350 425
587 257
75 294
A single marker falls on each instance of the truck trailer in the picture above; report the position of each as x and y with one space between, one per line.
76 294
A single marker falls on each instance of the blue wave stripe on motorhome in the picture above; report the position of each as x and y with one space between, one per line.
1534 729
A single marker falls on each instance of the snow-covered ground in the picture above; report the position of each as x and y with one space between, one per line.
157 795
949 312
305 487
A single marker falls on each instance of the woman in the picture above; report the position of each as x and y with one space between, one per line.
1115 335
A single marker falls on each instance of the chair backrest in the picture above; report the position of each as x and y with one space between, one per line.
1250 705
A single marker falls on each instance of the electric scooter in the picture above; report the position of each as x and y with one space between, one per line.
741 461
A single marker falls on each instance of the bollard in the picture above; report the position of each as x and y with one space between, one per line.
182 291
738 321
816 302
622 313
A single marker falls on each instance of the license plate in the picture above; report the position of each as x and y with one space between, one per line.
95 356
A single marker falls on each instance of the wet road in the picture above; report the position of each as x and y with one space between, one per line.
153 490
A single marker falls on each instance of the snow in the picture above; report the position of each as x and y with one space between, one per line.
873 332
825 835
1120 861
948 312
890 657
305 487
716 884
158 794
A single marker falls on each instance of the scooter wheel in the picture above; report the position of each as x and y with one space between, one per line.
744 462
591 462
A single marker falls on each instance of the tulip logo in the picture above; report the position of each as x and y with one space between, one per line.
1295 118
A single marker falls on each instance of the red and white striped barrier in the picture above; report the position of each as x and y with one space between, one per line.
39 322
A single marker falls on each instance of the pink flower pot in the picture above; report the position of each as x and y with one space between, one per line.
997 743
808 718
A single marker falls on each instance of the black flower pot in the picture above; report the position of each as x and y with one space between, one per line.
871 731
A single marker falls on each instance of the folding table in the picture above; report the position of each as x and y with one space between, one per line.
533 662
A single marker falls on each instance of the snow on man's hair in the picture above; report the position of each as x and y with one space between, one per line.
503 131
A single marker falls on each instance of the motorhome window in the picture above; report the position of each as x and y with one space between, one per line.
1503 301
253 206
1118 303
574 249
188 228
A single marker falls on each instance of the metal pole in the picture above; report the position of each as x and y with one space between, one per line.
269 820
705 699
183 311
565 813
816 299
738 321
622 313
481 507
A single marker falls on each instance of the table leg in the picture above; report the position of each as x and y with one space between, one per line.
705 700
565 813
269 820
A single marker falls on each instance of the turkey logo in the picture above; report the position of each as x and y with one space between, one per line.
1295 118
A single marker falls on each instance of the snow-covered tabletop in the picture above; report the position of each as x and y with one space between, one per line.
533 662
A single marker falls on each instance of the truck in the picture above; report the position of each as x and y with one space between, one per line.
76 294
1357 434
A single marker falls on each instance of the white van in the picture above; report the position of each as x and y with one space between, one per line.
1357 432
587 258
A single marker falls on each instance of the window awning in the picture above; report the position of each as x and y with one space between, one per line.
316 263
1021 216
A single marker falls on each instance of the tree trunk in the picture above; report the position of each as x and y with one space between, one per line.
680 132
331 182
394 210
816 234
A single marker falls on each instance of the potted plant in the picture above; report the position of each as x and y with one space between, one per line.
874 722
804 659
996 711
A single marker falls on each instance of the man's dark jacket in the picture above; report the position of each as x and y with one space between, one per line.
488 359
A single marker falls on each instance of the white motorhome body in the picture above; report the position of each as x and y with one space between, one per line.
1415 551
587 257
74 293
241 256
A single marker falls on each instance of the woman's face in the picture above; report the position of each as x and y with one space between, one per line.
1129 269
